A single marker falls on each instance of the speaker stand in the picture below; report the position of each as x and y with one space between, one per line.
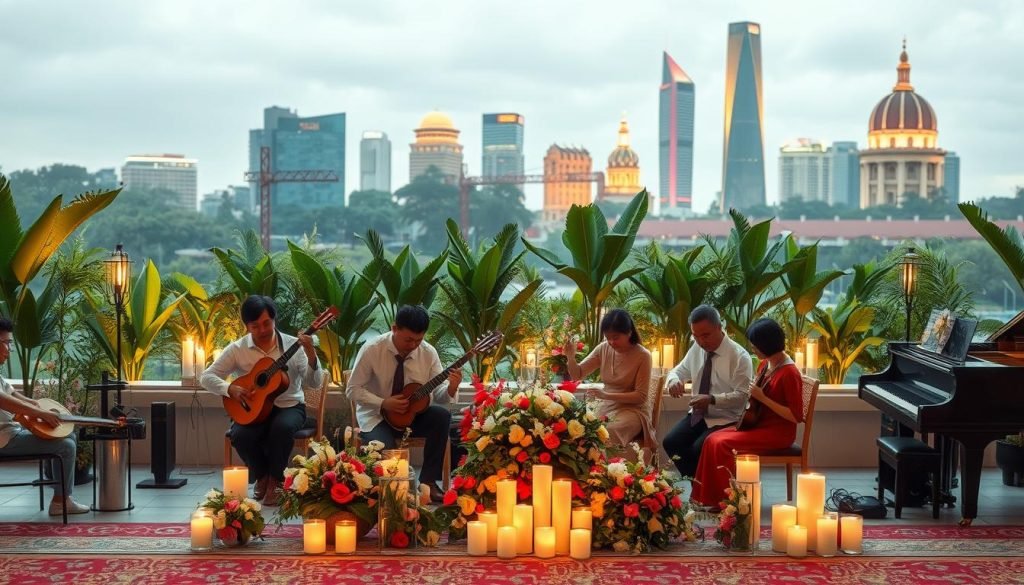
172 483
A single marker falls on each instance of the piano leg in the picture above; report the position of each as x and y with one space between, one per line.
972 454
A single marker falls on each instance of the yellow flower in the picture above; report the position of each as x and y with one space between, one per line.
516 434
514 451
432 538
482 443
576 429
654 526
602 433
527 441
467 505
301 483
597 500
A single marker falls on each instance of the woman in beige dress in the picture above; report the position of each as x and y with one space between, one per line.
626 373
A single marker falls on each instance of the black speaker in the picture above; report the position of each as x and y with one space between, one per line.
162 457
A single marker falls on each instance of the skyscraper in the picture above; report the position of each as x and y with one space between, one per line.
675 138
502 145
952 177
375 162
560 196
172 172
743 151
298 144
804 171
845 174
437 145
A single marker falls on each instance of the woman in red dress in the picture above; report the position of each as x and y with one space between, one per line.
779 389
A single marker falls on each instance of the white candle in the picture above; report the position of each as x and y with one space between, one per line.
668 355
852 529
579 543
188 348
810 503
522 519
828 528
798 359
796 541
783 516
748 468
476 538
507 542
314 536
491 520
506 501
200 361
544 542
582 518
345 537
561 513
656 358
541 495
236 482
202 530
812 358
531 357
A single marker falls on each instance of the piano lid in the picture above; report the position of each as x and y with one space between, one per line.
1013 328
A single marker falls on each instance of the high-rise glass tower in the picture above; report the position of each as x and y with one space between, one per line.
952 177
675 138
743 152
502 145
845 174
375 162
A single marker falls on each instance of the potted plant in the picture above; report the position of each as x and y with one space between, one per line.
1010 458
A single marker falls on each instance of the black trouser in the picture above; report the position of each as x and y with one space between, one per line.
684 442
431 424
265 446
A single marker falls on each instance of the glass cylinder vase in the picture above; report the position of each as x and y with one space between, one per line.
748 519
397 513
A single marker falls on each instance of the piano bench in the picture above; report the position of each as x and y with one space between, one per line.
906 456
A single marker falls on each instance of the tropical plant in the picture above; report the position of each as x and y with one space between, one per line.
209 319
23 253
251 270
597 254
477 283
674 285
401 282
804 285
1007 242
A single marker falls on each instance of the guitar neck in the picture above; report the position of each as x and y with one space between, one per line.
90 421
436 381
282 361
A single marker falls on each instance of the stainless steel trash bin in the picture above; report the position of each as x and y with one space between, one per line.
112 475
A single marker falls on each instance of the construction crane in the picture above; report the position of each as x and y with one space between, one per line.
267 177
466 183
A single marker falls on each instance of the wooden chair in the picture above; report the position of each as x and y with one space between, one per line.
42 481
316 406
797 454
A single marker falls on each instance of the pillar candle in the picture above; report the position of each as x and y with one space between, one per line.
798 359
656 358
579 544
345 537
531 357
541 495
852 534
314 536
507 542
828 526
544 542
200 361
796 541
748 468
668 355
491 520
812 358
582 518
561 513
522 519
236 482
506 501
783 516
188 369
810 503
476 538
202 530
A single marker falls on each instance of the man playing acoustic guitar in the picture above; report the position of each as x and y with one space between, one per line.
265 446
17 440
384 366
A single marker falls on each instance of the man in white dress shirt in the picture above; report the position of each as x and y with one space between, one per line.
384 366
720 371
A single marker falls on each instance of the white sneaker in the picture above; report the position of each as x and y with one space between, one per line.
57 508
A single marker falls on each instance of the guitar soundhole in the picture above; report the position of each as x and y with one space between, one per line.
262 379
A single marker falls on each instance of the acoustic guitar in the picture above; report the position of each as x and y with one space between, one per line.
268 379
419 394
67 421
752 412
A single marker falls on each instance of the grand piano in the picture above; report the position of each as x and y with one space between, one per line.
973 402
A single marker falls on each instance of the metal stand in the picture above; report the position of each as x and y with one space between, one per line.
108 470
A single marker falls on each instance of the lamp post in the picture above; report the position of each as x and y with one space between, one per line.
119 273
908 279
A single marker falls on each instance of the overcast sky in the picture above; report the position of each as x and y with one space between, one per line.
89 83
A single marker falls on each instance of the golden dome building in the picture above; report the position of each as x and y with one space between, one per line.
437 144
623 174
903 155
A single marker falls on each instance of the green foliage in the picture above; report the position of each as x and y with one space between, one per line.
1006 242
251 270
673 285
804 285
493 206
401 282
211 320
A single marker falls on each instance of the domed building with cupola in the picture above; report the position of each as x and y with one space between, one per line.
623 174
903 154
437 144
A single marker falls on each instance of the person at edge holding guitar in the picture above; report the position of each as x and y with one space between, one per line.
15 439
265 446
720 371
387 364
779 391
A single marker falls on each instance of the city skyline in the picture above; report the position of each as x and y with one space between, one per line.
195 85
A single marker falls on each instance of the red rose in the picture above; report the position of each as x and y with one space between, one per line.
650 477
522 456
510 404
523 489
551 441
616 493
479 508
358 466
400 540
227 533
631 510
450 496
559 427
458 481
596 470
470 483
577 491
660 496
524 403
288 482
676 502
579 346
628 480
545 457
341 494
651 504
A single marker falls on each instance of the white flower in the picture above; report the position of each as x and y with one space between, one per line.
424 494
244 507
505 398
744 507
301 483
488 425
255 506
290 471
689 517
576 429
617 470
648 487
538 429
543 401
554 409
363 481
212 494
565 397
331 455
374 446
220 520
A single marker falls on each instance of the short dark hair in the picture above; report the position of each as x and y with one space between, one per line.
254 305
767 336
6 325
705 313
619 321
413 318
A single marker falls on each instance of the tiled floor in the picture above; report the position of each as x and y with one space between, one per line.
998 504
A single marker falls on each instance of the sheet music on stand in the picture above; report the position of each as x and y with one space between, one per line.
197 424
948 334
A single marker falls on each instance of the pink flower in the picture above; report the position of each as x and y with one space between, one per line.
628 480
231 505
411 514
329 479
651 504
728 523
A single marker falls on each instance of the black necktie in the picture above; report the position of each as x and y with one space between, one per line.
398 382
703 388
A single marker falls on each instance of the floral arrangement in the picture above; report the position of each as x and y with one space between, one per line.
405 519
636 507
505 433
558 330
236 520
733 530
328 482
